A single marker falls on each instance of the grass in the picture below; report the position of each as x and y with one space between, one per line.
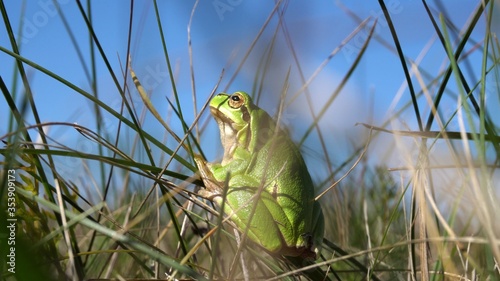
135 213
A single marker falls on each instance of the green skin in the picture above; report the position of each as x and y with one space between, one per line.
266 173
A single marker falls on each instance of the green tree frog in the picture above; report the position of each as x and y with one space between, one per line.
265 174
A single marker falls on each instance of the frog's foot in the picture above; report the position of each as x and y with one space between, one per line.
309 251
211 184
308 238
207 194
309 254
200 162
212 187
297 251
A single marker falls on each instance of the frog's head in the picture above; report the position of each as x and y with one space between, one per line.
233 109
233 114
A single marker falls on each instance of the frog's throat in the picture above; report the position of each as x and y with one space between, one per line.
228 140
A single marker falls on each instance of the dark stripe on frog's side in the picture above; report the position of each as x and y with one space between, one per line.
266 130
246 117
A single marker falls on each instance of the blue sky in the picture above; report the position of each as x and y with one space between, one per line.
222 31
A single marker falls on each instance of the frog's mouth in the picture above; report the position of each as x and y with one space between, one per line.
219 117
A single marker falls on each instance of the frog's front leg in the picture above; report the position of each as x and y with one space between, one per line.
215 175
213 187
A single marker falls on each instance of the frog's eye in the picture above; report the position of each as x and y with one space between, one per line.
236 101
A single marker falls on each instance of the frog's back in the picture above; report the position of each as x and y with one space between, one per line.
288 179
